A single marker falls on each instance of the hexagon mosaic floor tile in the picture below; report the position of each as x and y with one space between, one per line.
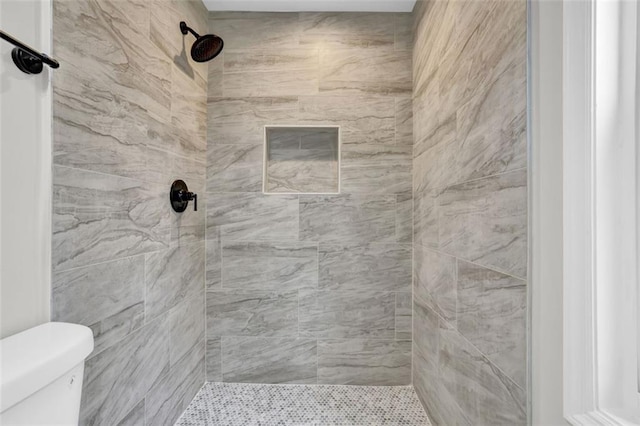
232 404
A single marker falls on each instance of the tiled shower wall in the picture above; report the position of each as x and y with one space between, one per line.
129 118
470 216
310 288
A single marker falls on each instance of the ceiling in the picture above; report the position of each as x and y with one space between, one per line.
312 5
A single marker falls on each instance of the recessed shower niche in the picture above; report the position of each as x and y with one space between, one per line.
302 159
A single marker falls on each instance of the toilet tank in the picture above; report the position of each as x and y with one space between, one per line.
41 371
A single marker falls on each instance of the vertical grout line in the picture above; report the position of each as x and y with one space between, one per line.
206 340
395 315
455 278
221 258
316 289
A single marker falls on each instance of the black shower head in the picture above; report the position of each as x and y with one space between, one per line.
205 47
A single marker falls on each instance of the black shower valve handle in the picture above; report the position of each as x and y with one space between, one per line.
180 196
189 196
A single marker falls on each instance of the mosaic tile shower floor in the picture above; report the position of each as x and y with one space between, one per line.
232 404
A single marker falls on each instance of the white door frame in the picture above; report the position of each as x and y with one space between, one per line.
585 372
599 213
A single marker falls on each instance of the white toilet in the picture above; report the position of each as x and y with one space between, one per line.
41 374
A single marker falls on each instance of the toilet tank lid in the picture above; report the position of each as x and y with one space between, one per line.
32 359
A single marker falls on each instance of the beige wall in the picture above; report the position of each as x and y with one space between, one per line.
130 117
470 211
310 288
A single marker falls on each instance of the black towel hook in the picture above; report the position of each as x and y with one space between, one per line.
26 58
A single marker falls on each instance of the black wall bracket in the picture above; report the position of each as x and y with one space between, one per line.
180 197
26 58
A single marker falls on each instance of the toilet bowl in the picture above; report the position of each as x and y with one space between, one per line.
41 371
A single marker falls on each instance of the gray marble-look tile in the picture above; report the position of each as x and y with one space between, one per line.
481 390
427 119
347 30
377 267
191 168
242 120
97 38
281 61
186 235
256 30
363 119
404 217
468 60
354 218
425 343
234 168
364 362
214 359
172 276
320 138
403 31
485 221
278 266
439 403
215 76
431 42
169 397
283 138
353 314
425 219
119 377
186 327
360 71
189 106
108 297
98 217
404 120
403 316
434 282
271 83
165 136
302 171
213 267
492 316
376 169
491 127
252 313
94 129
284 72
253 216
135 416
435 156
269 360
303 137
113 328
489 38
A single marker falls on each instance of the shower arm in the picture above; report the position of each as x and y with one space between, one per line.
184 28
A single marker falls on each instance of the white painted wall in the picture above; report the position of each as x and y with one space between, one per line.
546 32
25 172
